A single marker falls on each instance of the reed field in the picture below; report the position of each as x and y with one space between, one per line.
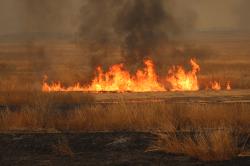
205 125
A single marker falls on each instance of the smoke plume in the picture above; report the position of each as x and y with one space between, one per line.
144 25
137 27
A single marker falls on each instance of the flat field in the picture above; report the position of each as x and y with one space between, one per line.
155 128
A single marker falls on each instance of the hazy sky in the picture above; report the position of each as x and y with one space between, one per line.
219 14
15 17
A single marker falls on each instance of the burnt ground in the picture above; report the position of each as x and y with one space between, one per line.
117 148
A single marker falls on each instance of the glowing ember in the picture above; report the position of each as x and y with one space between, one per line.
215 85
181 80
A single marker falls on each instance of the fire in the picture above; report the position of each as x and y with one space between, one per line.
229 86
118 79
181 80
57 87
216 85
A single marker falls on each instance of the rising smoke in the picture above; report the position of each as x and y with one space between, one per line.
144 25
138 27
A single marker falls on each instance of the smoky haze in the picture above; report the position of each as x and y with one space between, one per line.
112 31
243 15
64 16
45 15
41 18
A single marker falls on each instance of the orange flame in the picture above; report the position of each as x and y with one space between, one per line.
57 87
229 86
181 80
116 79
145 80
120 80
215 85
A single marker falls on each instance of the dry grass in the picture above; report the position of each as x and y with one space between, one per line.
211 131
90 118
42 114
206 146
217 125
62 148
40 100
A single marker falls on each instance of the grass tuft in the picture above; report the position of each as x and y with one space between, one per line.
218 145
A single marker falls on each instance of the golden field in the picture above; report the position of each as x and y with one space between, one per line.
208 125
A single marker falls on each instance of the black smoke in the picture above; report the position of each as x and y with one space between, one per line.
137 27
144 25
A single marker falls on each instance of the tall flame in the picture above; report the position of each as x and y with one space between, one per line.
181 80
